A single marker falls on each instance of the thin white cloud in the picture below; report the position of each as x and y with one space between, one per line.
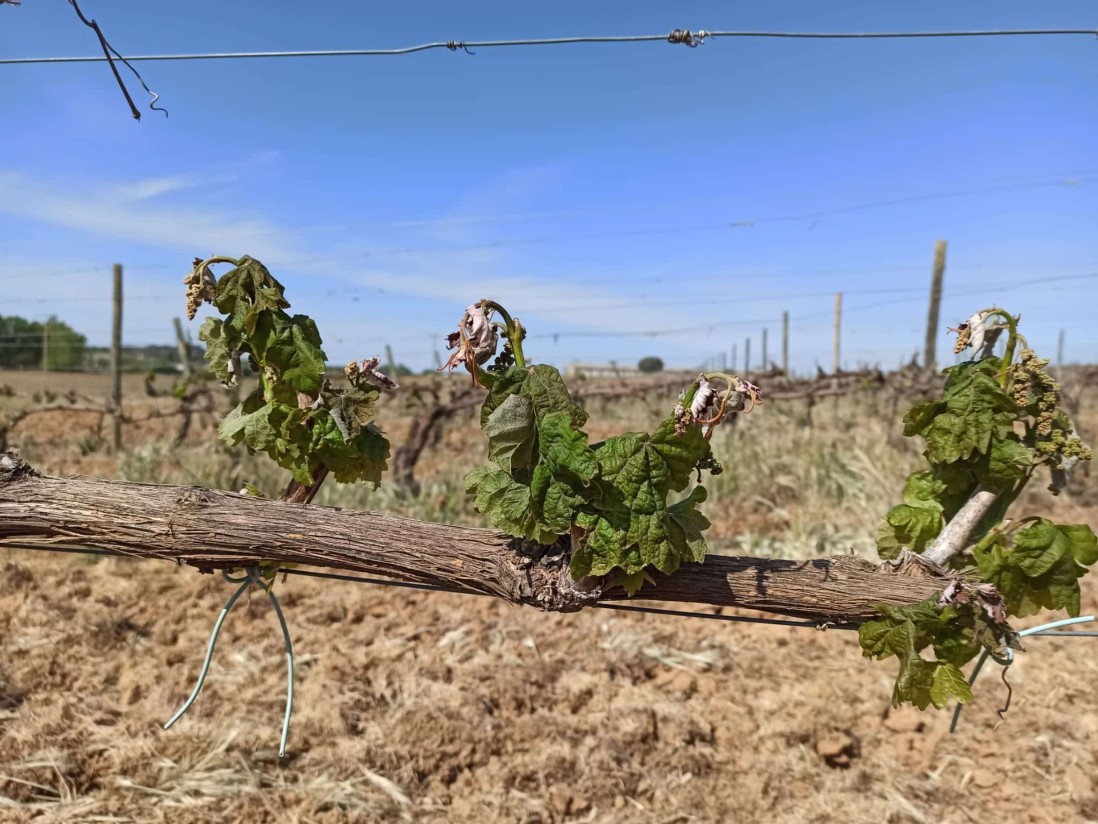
152 187
86 208
132 212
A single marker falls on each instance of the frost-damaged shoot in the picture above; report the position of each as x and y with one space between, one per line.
294 416
610 499
998 421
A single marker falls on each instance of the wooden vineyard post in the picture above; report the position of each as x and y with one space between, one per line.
183 349
838 336
930 351
46 346
116 361
390 365
785 343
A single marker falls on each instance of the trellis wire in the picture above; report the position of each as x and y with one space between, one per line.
678 36
386 582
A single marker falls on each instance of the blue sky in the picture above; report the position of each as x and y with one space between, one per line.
600 192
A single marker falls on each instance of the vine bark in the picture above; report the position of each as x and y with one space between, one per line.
212 529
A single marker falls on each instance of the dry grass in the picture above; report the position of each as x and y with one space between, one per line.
434 707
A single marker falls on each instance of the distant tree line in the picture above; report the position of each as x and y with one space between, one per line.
32 344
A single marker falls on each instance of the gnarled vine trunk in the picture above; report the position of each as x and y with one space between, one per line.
212 529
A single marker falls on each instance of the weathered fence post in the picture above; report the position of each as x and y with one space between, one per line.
838 329
390 365
930 352
183 348
116 360
785 343
46 346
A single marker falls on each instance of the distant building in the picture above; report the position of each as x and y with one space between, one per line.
134 359
600 370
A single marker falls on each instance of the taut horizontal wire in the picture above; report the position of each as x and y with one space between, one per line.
453 45
702 327
385 582
434 588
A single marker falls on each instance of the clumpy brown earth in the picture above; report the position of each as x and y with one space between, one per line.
416 706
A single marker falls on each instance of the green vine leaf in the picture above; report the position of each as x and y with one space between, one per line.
275 429
631 582
1082 542
894 635
553 503
248 291
567 467
539 505
1008 460
917 521
290 347
362 456
1041 567
688 523
223 345
544 387
960 646
545 481
903 632
631 527
564 450
296 417
948 682
512 432
962 424
507 504
680 452
914 682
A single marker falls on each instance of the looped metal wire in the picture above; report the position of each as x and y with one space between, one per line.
251 576
454 45
1007 659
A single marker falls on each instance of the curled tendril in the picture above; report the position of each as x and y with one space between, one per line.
1002 711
